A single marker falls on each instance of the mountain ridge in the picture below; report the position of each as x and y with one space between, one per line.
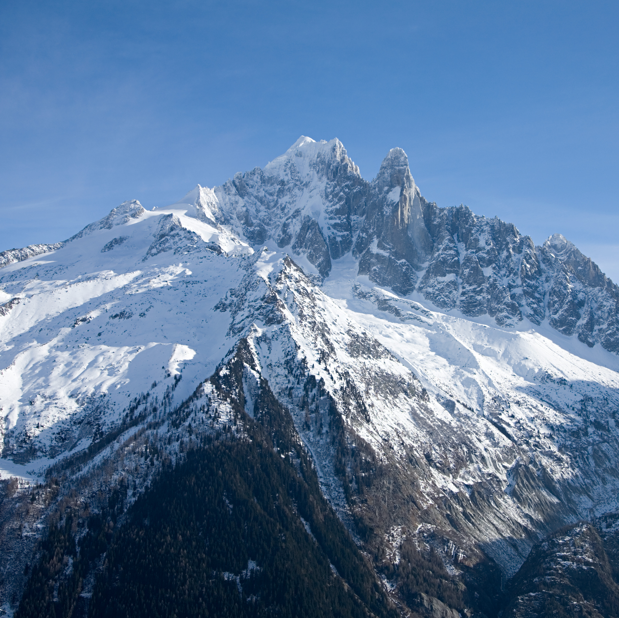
313 202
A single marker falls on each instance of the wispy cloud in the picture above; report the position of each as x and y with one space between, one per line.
33 205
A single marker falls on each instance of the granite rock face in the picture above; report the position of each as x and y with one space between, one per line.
307 199
313 202
581 299
393 242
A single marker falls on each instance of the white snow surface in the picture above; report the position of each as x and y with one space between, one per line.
93 326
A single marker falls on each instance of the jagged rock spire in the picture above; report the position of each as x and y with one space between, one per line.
394 171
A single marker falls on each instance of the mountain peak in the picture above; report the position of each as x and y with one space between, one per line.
191 197
200 203
394 170
558 243
396 156
307 154
302 141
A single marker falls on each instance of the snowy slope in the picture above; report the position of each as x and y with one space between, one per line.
98 321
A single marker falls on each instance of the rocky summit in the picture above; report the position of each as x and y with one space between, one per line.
303 393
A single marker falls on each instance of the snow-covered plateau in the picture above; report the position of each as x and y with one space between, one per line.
454 384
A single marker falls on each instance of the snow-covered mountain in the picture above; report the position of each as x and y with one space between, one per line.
455 386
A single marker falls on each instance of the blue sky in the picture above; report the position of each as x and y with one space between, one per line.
510 108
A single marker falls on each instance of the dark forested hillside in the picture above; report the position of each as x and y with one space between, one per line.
233 531
223 535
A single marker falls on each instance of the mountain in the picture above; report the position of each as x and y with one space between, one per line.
569 574
442 392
